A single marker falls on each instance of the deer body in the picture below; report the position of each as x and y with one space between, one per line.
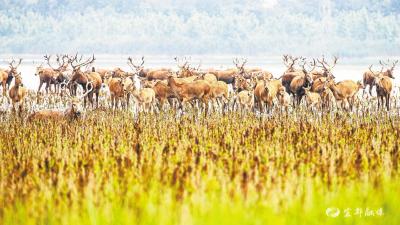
17 93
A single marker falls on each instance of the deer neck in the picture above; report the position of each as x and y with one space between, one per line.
336 92
172 83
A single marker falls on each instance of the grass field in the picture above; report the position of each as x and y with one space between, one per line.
223 169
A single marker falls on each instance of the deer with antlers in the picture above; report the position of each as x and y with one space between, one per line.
326 69
185 70
83 78
300 82
53 74
6 76
369 76
70 114
291 72
158 74
240 66
382 81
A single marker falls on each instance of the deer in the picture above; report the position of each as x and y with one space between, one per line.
185 70
300 82
326 69
245 100
345 91
384 87
207 77
145 98
83 78
240 84
161 74
6 76
17 94
283 99
240 68
52 75
369 76
187 92
116 88
313 99
266 92
163 93
219 92
72 113
291 72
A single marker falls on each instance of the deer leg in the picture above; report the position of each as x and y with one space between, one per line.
97 98
47 87
388 102
40 86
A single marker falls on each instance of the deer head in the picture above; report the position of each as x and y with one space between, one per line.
307 69
240 65
326 67
18 79
14 66
138 68
390 68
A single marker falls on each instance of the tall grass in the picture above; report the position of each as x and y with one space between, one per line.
221 169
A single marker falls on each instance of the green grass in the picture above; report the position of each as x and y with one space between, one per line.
109 169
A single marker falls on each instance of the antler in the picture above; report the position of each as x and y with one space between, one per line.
186 65
87 90
237 62
285 59
133 66
85 63
308 70
47 58
394 64
376 74
325 65
12 64
63 63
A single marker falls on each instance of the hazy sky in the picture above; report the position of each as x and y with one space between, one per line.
347 27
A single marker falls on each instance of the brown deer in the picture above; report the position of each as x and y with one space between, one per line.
6 76
345 91
266 92
145 98
187 92
240 67
384 87
185 70
163 92
83 78
116 88
52 75
291 72
159 74
283 99
245 100
326 69
369 76
17 93
313 99
300 82
72 113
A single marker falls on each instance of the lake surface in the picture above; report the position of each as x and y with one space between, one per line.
347 68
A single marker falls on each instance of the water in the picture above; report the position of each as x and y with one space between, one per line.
347 68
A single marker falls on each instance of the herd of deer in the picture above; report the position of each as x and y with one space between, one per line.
252 89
